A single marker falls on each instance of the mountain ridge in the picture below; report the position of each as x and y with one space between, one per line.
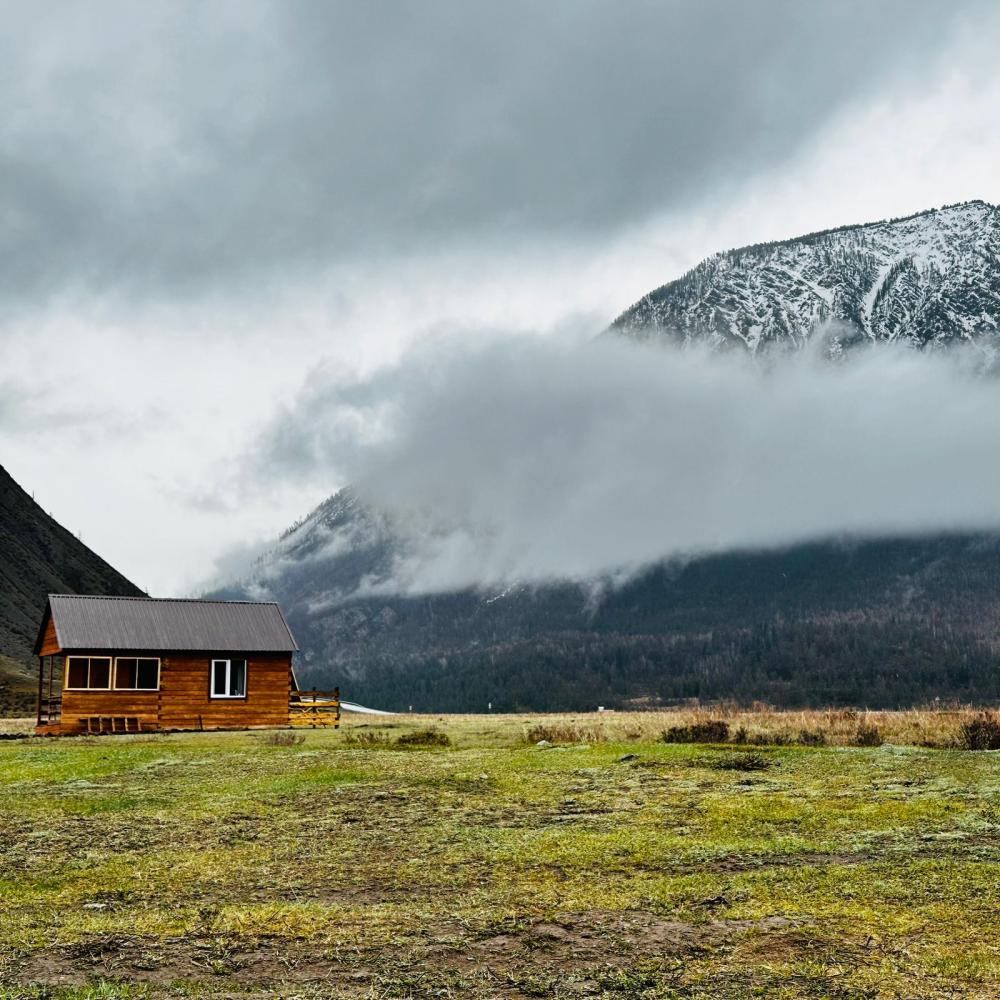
929 277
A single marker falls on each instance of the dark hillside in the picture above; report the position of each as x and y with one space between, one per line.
37 557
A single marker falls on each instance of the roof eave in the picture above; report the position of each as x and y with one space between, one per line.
47 616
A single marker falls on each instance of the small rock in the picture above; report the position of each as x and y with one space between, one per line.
543 743
628 757
95 906
484 777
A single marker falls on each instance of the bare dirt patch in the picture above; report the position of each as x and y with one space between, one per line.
577 943
184 960
580 941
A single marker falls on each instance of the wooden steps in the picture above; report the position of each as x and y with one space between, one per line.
101 724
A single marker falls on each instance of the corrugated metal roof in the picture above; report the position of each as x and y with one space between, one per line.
150 623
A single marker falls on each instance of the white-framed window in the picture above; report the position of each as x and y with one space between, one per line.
88 673
229 678
137 673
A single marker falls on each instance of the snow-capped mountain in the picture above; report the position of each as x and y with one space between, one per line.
931 278
880 622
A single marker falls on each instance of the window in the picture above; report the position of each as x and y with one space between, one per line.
137 673
229 678
88 673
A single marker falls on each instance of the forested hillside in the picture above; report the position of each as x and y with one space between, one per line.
882 623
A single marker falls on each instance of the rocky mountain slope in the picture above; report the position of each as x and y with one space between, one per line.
37 557
887 622
932 278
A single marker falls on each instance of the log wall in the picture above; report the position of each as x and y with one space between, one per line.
183 700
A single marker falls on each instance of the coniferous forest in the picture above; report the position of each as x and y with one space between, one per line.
877 623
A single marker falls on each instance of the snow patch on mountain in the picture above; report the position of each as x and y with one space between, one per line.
927 279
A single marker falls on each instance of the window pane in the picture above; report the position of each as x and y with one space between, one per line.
219 677
100 672
238 678
76 675
147 674
125 673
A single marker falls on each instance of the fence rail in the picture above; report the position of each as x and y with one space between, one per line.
314 709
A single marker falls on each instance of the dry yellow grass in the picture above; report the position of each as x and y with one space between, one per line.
930 726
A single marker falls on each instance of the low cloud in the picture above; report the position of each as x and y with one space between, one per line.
526 459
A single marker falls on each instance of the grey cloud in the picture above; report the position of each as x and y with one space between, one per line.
526 460
26 411
168 149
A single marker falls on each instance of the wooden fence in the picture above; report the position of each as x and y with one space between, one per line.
314 709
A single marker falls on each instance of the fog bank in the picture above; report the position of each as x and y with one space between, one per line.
515 459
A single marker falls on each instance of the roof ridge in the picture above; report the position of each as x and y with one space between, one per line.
173 600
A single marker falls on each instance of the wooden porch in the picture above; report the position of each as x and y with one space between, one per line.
50 677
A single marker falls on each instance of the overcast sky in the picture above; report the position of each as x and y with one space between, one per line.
204 205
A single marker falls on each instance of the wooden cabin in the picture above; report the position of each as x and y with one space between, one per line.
131 664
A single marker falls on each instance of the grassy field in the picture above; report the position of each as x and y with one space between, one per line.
608 863
18 687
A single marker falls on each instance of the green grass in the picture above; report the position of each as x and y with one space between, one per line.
204 864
